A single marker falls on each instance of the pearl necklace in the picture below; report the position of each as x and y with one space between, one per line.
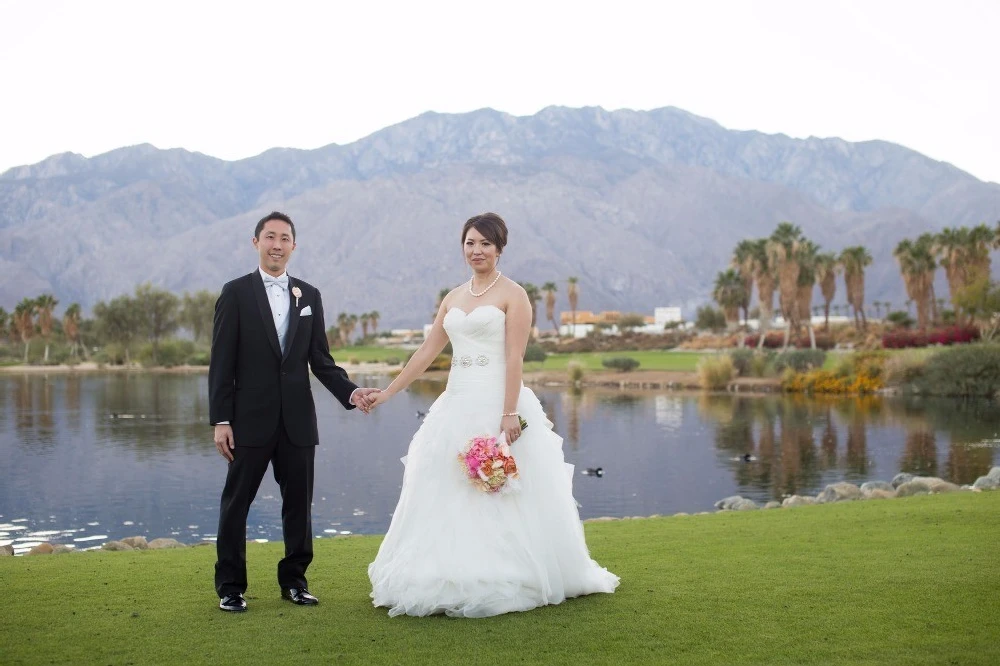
487 288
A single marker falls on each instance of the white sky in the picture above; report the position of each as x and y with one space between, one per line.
232 79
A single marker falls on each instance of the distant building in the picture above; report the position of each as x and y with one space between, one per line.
587 321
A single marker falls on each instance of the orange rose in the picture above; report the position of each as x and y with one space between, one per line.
509 467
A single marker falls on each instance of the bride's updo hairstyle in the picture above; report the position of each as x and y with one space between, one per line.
491 226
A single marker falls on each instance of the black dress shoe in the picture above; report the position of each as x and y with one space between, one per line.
299 596
233 603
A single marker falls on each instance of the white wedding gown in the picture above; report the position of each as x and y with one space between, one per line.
454 549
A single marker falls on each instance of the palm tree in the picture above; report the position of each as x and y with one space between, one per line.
765 277
827 268
364 325
855 259
918 266
948 246
782 249
573 294
71 328
534 295
352 322
877 306
743 262
343 320
806 258
45 304
550 303
24 322
729 293
5 321
373 320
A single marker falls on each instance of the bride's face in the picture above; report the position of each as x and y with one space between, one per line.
480 253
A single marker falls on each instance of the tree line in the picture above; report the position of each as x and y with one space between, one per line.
150 315
789 264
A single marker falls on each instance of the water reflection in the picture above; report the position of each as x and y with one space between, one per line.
124 454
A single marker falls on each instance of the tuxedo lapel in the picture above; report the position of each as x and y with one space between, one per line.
293 317
265 311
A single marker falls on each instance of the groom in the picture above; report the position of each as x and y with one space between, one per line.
268 332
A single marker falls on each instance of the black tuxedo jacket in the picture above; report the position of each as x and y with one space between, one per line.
250 383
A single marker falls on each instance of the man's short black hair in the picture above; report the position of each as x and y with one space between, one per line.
273 215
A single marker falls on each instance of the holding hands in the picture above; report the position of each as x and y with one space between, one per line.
364 398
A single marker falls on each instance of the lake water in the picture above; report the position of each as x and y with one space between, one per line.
96 457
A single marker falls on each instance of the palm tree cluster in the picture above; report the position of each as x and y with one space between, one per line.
347 323
790 264
963 253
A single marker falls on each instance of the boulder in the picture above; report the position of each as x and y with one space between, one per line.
116 546
942 486
41 549
839 492
878 493
985 483
7 551
727 503
602 519
772 505
680 513
994 474
744 505
911 488
869 486
900 479
159 544
137 542
61 548
798 500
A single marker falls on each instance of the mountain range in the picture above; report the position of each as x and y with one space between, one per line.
644 207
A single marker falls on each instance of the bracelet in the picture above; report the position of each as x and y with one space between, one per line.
510 414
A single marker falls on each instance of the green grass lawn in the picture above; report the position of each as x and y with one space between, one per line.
905 581
369 354
648 360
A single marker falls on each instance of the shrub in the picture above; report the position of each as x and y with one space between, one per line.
170 353
800 360
715 372
904 368
947 335
622 363
969 370
393 360
900 318
534 353
742 358
759 364
708 318
199 358
575 370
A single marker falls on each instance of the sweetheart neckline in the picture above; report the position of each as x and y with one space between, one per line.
476 308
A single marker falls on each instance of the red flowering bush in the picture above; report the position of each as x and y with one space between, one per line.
947 335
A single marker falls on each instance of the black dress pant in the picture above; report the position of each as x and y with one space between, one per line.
293 470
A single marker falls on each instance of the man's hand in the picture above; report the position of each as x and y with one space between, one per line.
224 441
364 397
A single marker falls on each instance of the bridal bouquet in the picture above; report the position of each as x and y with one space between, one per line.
489 465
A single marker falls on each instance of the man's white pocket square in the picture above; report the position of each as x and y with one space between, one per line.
306 311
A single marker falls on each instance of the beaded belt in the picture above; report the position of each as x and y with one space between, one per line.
467 361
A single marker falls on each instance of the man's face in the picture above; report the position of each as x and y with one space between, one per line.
275 246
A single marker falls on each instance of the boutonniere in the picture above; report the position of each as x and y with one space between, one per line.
297 293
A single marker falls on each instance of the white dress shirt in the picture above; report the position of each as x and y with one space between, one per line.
279 300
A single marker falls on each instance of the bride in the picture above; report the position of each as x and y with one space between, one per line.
453 548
